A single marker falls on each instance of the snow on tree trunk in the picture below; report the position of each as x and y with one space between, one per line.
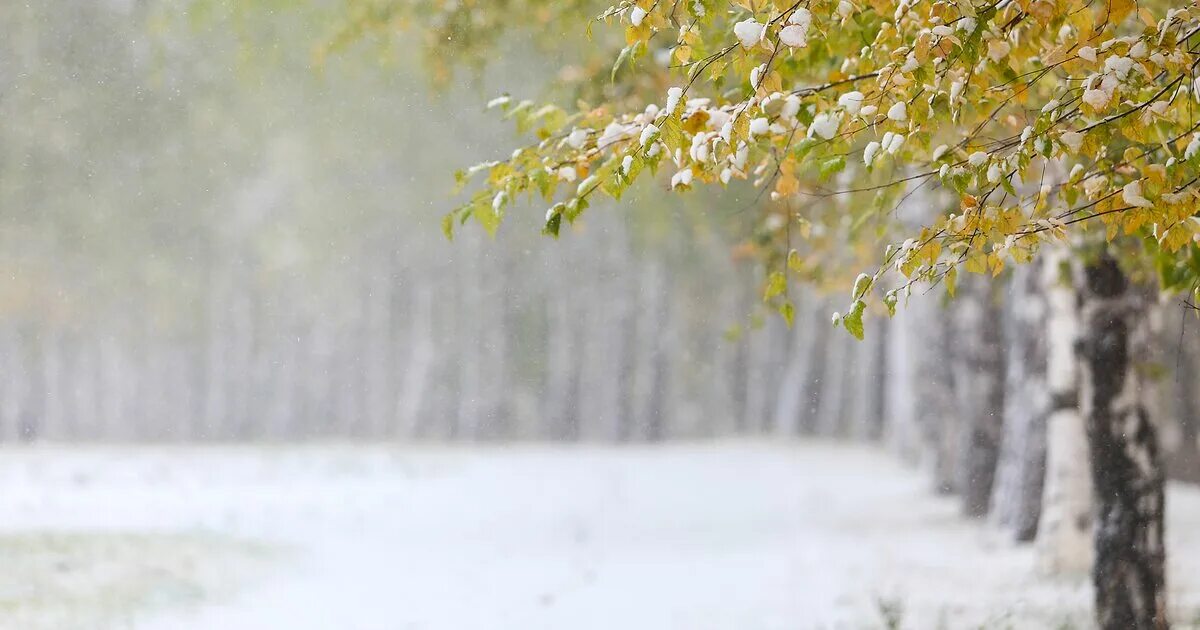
1017 495
1127 473
1063 539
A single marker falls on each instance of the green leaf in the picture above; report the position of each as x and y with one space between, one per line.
544 182
862 284
794 262
489 219
788 312
1008 187
802 148
776 285
575 208
672 133
448 226
627 54
831 167
616 182
853 321
889 300
553 224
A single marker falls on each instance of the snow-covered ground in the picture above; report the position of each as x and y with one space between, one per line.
739 535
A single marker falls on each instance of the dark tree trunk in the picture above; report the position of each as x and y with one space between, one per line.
1127 473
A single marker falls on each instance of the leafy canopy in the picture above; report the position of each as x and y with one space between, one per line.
1025 121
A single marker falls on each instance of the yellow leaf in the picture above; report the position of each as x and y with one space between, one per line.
976 263
787 185
770 83
1134 220
996 263
1113 12
640 33
696 121
1147 17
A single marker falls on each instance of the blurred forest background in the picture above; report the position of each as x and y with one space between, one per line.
208 235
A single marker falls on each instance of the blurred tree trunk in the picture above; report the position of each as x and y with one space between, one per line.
936 386
29 428
790 404
979 373
599 397
469 339
816 372
53 415
727 356
559 411
1127 474
658 349
239 360
628 349
376 344
879 382
496 391
868 384
758 388
1063 540
414 378
1017 496
830 412
16 383
1183 461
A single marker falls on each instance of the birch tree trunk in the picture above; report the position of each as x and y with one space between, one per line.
1127 474
1064 530
1017 496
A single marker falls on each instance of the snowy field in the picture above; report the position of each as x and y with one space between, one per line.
734 536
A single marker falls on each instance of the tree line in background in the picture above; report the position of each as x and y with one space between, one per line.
202 249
